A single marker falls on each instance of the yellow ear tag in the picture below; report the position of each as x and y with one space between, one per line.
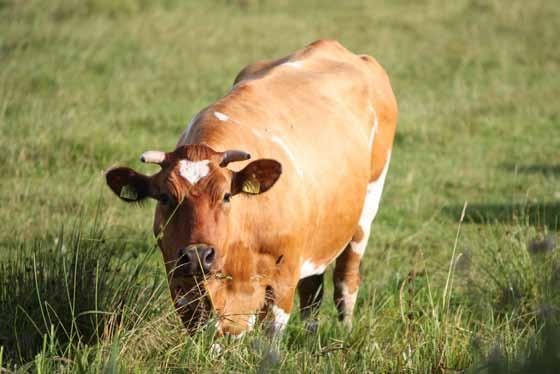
251 186
128 192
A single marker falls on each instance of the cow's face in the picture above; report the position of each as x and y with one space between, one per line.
208 256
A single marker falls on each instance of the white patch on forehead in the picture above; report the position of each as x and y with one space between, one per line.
370 208
280 319
278 140
221 116
294 64
193 171
308 268
374 127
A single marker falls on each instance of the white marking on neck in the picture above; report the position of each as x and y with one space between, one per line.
370 208
221 116
293 64
193 171
278 140
308 268
280 319
374 127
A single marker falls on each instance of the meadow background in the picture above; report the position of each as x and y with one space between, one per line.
88 84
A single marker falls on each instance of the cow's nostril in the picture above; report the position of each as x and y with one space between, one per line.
184 256
208 258
195 260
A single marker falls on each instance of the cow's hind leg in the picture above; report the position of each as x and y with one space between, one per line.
347 270
310 298
346 283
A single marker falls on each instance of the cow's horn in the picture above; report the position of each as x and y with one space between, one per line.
153 157
234 155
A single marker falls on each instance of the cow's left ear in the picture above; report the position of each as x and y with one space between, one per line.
257 177
128 184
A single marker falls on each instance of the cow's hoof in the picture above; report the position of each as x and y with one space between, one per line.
312 326
216 349
347 322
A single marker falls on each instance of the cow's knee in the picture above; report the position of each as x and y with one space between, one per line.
280 311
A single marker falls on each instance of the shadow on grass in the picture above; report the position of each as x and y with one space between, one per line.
545 169
542 358
70 290
541 214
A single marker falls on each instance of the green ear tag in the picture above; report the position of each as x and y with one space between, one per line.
128 192
251 186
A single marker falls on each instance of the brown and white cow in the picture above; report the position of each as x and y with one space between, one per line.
239 237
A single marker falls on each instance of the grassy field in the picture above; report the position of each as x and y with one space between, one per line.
87 84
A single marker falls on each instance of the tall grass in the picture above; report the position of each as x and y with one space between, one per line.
74 304
60 294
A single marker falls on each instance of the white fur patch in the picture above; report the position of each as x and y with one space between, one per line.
374 127
349 298
193 171
221 116
216 349
280 318
371 206
278 140
294 64
256 132
251 321
308 268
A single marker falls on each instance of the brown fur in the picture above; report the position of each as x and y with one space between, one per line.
314 120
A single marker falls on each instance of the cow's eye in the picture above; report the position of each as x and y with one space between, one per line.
164 199
227 197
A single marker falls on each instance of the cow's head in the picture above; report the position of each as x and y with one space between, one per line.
201 228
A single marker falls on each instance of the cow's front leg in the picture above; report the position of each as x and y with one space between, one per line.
281 309
310 297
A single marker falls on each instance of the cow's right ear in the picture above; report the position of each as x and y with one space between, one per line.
127 184
257 177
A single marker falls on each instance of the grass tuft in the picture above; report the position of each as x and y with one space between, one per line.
62 293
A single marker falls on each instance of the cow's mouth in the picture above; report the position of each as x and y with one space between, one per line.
193 307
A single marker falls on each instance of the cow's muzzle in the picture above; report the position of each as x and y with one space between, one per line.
195 259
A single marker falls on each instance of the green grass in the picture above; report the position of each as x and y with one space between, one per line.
89 84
